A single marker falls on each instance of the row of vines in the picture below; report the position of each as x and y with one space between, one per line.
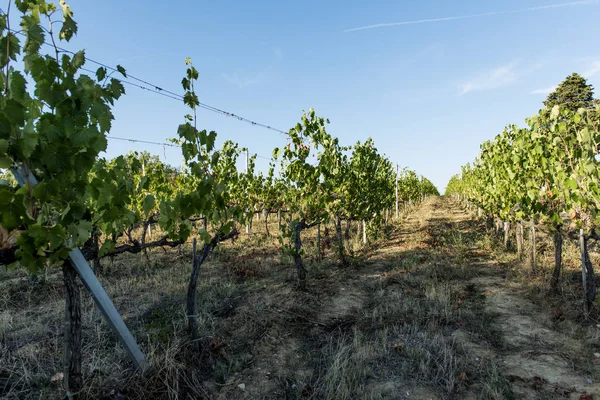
546 177
54 122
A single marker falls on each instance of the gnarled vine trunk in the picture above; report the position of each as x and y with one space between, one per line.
73 377
266 212
97 265
590 277
347 232
297 255
279 219
338 230
558 246
197 261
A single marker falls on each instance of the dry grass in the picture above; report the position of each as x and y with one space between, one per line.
403 321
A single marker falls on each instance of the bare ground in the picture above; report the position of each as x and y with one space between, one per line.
429 311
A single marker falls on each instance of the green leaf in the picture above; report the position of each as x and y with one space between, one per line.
14 112
571 184
18 86
101 73
3 147
80 232
107 247
122 71
219 188
10 43
35 34
68 29
78 60
210 141
186 131
5 161
204 236
226 230
149 203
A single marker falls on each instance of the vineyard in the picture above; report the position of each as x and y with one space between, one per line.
542 178
59 196
331 274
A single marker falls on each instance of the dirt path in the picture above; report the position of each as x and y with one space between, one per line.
539 361
429 314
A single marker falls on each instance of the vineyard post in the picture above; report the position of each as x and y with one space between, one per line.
397 200
149 227
348 226
266 215
519 237
583 273
249 224
532 240
319 242
364 232
93 285
506 231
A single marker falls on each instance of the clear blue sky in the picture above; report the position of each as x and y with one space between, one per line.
428 92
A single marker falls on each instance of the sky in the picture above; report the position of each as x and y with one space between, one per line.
428 80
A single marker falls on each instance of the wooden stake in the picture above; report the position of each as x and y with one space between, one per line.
533 250
519 238
364 232
319 242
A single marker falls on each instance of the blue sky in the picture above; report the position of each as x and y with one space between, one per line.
428 92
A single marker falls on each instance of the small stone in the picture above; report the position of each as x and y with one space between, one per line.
597 355
57 377
294 386
242 386
588 381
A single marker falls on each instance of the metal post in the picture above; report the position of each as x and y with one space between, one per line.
397 200
93 285
248 224
583 273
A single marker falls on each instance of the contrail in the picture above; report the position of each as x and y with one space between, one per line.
487 14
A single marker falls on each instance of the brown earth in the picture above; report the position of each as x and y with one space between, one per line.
430 310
